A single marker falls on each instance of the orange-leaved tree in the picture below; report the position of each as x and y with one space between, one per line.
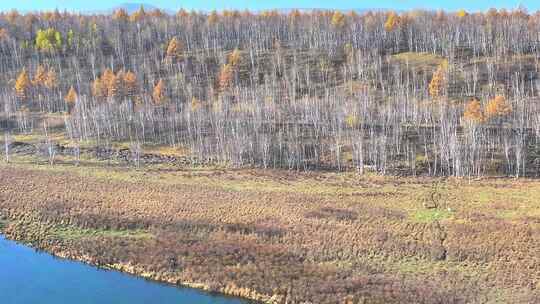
158 94
71 98
497 107
22 85
438 82
138 15
338 19
116 85
174 49
393 21
41 76
213 18
473 112
120 15
462 13
130 84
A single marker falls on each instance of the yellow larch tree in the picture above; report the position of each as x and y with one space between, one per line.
438 82
294 15
473 112
120 15
22 84
497 107
182 13
213 18
158 94
225 77
116 85
41 76
338 19
462 13
138 15
71 98
107 80
392 22
12 16
131 88
174 49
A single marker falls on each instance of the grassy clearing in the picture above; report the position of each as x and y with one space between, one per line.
419 60
431 215
220 225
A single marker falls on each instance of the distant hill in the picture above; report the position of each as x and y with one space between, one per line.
357 10
130 8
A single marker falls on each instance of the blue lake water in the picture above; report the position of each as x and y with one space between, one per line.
30 277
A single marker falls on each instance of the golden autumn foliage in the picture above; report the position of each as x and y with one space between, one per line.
294 14
100 86
52 16
131 88
473 112
115 85
120 15
138 15
107 77
12 16
497 107
462 13
41 76
4 34
182 13
120 85
393 21
338 19
174 49
71 98
158 94
269 14
213 17
231 13
438 82
22 84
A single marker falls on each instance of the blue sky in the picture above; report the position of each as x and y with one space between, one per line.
472 5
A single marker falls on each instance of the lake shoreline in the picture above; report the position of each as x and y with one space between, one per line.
136 271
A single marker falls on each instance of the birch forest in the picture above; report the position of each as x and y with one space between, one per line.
410 93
